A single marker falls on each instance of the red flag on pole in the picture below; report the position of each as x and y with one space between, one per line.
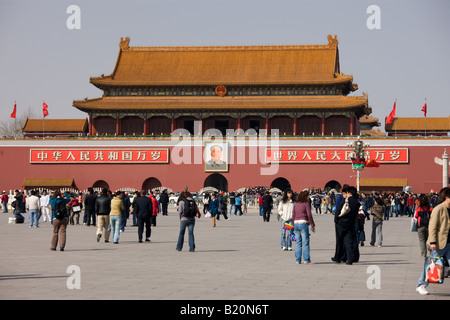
13 114
45 109
424 109
391 116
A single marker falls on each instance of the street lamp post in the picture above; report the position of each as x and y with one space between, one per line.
358 158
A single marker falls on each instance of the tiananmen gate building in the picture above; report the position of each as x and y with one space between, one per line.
229 117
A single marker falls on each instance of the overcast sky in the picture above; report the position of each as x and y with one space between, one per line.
41 59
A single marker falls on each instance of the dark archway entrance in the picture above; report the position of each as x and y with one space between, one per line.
217 181
151 183
280 183
333 184
100 184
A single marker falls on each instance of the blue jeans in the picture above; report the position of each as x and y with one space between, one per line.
115 222
5 206
286 240
232 209
301 231
190 223
33 216
441 252
261 210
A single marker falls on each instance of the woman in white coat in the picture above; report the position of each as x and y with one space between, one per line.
285 208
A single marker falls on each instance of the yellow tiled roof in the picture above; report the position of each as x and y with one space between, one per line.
226 65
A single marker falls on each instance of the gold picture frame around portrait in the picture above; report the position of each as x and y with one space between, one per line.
216 156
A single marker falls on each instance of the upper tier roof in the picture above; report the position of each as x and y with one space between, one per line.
226 65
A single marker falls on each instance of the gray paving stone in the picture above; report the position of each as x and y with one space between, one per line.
239 259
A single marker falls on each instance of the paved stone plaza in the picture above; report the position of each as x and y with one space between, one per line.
240 259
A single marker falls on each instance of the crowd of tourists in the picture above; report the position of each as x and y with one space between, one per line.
109 212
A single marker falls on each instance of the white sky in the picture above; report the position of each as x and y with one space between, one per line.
41 59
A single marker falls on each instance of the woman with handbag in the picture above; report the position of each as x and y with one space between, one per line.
422 215
302 217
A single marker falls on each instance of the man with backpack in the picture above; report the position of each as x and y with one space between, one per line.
187 210
60 219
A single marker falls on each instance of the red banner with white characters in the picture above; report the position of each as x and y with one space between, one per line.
100 155
334 155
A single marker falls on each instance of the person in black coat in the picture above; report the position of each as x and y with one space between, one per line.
164 200
267 206
126 211
346 245
143 210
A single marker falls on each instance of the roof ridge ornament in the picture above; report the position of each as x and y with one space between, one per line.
332 42
124 44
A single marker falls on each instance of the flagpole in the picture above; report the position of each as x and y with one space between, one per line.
395 122
425 119
43 124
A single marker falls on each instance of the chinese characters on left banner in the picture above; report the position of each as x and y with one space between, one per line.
99 155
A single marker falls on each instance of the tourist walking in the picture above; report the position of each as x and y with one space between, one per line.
187 210
19 206
125 212
238 204
33 205
346 245
89 208
5 200
285 209
222 206
155 206
164 201
74 210
267 203
213 208
60 219
115 216
232 204
206 199
45 206
102 210
302 217
143 209
439 235
422 215
377 211
137 194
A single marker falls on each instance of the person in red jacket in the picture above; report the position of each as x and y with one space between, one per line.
423 212
5 199
155 205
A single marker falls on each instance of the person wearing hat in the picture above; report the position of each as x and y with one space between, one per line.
5 199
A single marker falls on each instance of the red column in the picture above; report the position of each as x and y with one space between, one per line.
117 125
267 125
146 126
239 122
172 125
294 130
323 124
90 125
351 124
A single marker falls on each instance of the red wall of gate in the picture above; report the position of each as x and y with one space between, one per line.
422 172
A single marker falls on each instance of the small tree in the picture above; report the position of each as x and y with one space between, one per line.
12 128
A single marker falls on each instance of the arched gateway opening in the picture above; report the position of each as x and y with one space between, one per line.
100 184
333 184
217 181
280 183
151 183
